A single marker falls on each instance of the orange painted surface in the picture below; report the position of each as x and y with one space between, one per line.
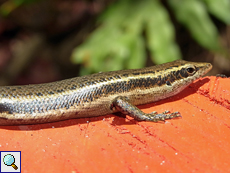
199 141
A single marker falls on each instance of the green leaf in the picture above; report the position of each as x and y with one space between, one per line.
110 46
193 14
137 54
160 35
220 9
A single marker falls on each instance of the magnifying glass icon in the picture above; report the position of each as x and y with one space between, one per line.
9 160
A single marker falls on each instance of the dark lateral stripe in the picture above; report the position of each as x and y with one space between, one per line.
140 83
115 87
143 73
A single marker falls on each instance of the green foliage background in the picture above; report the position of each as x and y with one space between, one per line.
119 41
127 28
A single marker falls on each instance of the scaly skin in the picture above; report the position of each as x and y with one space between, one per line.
98 94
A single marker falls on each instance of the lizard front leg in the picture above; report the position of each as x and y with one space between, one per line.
123 105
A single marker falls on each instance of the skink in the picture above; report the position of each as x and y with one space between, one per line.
98 94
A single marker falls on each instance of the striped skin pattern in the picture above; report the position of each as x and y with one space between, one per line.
98 94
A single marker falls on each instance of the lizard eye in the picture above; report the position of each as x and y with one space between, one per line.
191 70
